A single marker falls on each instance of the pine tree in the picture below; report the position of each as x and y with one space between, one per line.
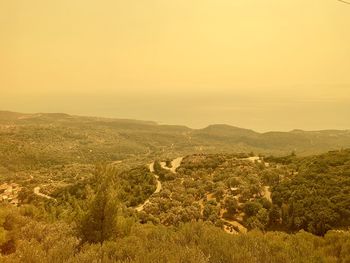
100 222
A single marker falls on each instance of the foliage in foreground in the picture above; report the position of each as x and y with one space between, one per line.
25 239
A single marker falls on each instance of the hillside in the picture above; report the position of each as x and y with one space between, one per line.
191 209
79 189
42 140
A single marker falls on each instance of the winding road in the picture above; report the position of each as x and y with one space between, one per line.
158 189
175 164
37 192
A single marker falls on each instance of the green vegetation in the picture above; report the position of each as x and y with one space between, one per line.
317 199
76 189
33 141
36 241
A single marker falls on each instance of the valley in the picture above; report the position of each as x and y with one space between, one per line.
106 182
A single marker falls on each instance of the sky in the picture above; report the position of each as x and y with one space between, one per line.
264 65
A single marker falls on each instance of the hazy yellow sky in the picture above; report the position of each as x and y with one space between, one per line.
264 65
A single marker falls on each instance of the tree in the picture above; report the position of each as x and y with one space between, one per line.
252 208
254 223
263 217
275 215
231 205
100 223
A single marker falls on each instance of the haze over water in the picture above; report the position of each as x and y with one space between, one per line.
265 65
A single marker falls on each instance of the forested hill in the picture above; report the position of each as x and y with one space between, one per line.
57 138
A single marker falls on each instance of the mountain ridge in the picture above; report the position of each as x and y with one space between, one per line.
51 139
12 115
